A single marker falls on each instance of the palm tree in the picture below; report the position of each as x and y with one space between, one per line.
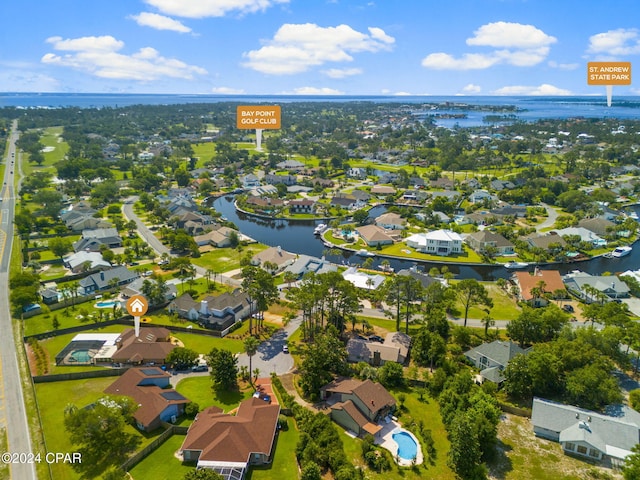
250 348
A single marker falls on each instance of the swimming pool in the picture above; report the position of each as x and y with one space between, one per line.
80 356
107 304
407 447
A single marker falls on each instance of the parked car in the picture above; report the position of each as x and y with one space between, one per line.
285 349
200 368
376 338
568 308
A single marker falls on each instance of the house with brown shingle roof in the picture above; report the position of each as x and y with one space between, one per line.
356 405
274 255
148 388
229 444
548 281
152 346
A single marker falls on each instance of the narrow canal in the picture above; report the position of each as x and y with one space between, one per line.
297 237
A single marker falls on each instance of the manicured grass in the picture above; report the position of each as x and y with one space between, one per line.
505 307
48 139
225 259
284 465
162 463
203 344
52 399
414 411
401 249
199 390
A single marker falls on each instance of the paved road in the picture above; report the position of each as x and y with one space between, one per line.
13 416
153 241
270 358
552 215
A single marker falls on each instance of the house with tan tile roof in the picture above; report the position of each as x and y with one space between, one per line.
230 444
374 235
148 388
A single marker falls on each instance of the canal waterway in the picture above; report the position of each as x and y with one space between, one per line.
297 237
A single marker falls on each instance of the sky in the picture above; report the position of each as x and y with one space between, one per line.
315 47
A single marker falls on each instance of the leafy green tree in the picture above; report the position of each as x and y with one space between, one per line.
428 348
592 386
321 360
60 246
202 474
224 369
631 468
311 471
465 454
182 358
470 293
100 434
391 375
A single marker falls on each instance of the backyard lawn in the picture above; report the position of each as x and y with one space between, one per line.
222 260
505 307
198 390
162 464
284 465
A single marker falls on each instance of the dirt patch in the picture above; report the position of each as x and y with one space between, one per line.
273 318
523 456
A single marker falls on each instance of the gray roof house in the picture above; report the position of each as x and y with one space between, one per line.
306 263
219 312
607 437
93 239
579 282
85 261
394 349
483 239
102 280
492 358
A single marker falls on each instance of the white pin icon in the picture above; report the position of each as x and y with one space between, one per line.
609 74
136 307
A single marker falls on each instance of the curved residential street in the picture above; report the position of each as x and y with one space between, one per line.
13 416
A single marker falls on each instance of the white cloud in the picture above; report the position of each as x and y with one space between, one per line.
517 44
615 42
159 22
296 48
227 90
342 72
541 90
211 8
563 66
471 88
469 61
99 56
510 35
314 91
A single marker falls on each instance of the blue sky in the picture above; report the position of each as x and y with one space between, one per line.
341 47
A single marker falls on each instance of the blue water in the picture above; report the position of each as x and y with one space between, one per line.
407 447
529 108
81 356
107 304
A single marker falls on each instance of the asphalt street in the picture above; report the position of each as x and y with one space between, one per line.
13 415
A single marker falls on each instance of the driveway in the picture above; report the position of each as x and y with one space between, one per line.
270 358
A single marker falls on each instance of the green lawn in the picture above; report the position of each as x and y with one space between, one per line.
225 259
505 307
284 465
414 411
162 463
204 344
52 400
198 390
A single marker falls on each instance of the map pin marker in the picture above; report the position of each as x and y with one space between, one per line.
609 74
136 307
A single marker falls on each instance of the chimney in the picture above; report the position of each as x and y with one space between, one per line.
102 276
203 308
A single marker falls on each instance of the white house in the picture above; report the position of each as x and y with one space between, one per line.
438 242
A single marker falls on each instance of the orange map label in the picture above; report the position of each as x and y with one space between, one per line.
258 117
609 73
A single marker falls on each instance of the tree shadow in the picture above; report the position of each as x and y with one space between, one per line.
500 465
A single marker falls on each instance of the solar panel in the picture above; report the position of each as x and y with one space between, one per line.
149 372
172 395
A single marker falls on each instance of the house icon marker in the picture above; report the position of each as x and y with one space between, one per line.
136 307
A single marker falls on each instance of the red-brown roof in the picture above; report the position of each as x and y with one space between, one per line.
233 438
551 279
151 346
152 399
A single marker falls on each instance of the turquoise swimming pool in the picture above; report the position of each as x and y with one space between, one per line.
80 356
107 304
407 447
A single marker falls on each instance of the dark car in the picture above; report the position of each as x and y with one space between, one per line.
376 338
568 308
200 368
